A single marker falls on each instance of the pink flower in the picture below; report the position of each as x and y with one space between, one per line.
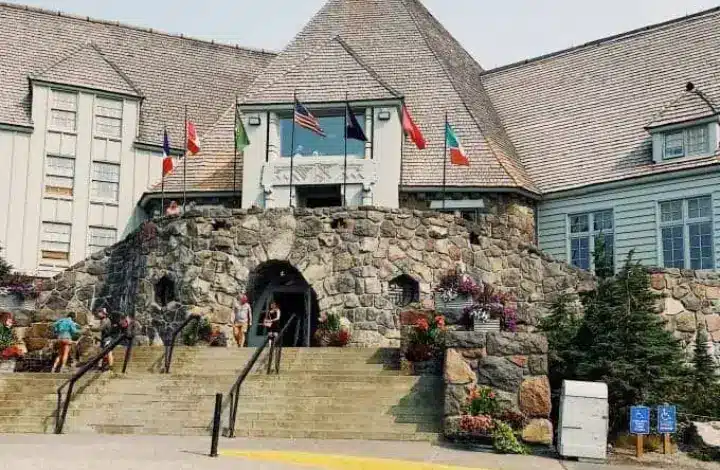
422 324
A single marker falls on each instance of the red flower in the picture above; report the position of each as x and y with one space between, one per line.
422 324
12 352
440 321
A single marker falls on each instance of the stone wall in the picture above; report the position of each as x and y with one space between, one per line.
504 214
348 257
514 365
690 302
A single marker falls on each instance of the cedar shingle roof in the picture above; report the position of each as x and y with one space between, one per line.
168 71
401 42
579 117
690 105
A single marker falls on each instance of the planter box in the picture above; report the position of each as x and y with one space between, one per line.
491 326
453 310
7 367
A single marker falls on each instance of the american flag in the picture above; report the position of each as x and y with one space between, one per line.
304 118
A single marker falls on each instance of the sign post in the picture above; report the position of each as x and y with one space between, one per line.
666 424
640 426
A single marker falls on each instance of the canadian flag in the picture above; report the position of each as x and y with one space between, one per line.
193 144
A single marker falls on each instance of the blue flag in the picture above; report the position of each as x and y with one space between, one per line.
353 130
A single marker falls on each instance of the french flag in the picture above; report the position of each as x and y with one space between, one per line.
167 158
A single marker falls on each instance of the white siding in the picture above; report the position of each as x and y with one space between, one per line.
635 213
24 204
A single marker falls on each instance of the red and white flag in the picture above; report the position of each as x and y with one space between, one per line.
193 144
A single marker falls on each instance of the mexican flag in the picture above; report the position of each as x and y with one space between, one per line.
457 152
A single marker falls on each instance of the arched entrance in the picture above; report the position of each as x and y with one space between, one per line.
279 281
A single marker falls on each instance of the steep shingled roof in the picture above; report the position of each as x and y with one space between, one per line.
169 71
690 105
410 51
579 117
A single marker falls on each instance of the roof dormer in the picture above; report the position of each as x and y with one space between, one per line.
685 128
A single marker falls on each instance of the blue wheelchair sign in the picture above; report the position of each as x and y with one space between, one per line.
640 420
667 419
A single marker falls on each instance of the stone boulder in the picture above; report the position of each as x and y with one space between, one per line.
465 339
515 344
457 370
538 431
499 372
534 397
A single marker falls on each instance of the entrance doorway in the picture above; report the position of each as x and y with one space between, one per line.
329 195
280 282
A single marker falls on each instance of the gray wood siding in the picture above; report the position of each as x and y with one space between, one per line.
635 210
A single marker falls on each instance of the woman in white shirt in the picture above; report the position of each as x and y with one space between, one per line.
242 318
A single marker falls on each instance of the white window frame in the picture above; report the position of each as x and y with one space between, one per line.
685 131
363 115
55 254
104 180
591 235
95 247
105 112
51 173
58 106
686 221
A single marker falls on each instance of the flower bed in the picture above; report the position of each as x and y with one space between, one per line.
487 420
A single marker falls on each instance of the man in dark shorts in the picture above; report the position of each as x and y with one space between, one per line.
106 334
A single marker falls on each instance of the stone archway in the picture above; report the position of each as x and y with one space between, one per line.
278 281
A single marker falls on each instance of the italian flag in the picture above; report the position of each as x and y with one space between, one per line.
457 152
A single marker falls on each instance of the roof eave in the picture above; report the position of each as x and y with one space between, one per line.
72 86
472 189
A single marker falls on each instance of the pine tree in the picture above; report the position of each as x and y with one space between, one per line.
703 364
560 329
5 267
623 342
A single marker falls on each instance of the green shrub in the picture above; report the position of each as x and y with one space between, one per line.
196 331
505 441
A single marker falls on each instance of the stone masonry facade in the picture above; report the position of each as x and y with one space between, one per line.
349 258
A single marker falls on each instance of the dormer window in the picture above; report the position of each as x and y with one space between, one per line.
689 142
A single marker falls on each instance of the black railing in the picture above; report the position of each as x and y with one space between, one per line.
62 408
169 348
235 390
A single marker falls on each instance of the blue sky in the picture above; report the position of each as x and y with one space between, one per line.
495 32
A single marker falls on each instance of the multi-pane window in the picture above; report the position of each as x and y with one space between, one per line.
100 237
63 111
688 142
59 176
304 143
55 241
686 233
587 230
105 184
108 118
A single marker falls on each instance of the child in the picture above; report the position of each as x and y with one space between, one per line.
65 329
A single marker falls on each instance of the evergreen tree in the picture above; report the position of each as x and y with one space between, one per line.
560 329
5 267
703 364
622 342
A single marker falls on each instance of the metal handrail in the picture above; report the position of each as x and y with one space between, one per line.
235 390
169 348
62 408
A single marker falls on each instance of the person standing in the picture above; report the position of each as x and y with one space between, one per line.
65 329
242 319
106 334
173 209
272 321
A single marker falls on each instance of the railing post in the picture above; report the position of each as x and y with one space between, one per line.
216 425
65 407
271 354
128 350
58 410
277 359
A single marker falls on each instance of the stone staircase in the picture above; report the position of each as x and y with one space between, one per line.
321 393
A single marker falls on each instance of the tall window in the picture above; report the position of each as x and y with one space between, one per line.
309 144
55 242
108 118
585 231
687 233
59 176
63 111
100 237
105 185
688 142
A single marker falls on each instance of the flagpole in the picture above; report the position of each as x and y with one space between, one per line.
185 163
292 147
444 188
347 109
162 180
236 152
